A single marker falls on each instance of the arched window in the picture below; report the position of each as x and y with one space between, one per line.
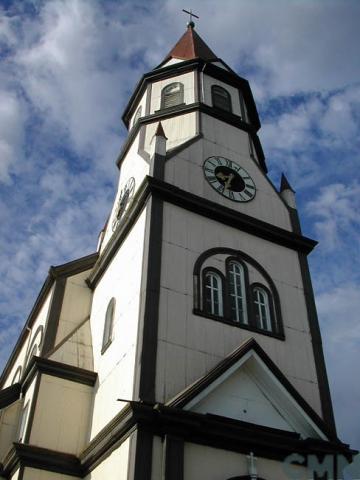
172 95
221 98
224 290
213 293
137 115
262 308
108 325
237 292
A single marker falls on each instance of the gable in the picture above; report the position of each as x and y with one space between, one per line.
239 397
248 387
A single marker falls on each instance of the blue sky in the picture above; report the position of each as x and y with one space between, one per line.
67 70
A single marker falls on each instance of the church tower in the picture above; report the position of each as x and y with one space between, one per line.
187 346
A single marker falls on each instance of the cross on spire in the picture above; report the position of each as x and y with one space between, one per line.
191 14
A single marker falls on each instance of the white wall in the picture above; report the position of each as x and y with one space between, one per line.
9 422
190 345
207 463
36 474
142 104
62 415
21 356
187 79
132 166
76 305
115 367
177 129
208 82
113 466
185 170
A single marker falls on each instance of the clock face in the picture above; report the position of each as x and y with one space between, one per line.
125 196
229 179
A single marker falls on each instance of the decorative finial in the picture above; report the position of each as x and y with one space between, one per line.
190 23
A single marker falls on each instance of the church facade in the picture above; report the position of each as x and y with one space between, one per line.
187 346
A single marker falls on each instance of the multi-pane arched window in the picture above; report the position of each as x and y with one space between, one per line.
172 95
221 98
227 289
213 293
262 308
237 292
108 325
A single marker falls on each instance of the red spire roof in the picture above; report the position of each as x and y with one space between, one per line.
190 46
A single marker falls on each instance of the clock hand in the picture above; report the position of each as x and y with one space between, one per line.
230 178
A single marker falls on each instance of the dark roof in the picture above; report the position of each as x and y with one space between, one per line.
190 46
193 390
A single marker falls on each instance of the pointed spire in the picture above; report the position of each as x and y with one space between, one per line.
160 131
287 193
190 46
285 185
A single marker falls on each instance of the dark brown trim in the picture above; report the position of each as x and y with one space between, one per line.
203 207
141 467
227 117
174 458
240 257
59 370
75 266
9 395
323 383
178 426
53 318
67 269
243 326
228 77
191 392
230 217
240 83
153 76
121 233
147 340
22 455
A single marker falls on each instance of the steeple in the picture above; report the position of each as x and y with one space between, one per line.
190 46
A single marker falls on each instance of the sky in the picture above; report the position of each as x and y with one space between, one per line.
67 70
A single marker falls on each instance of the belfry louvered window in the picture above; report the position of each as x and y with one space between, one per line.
221 98
172 95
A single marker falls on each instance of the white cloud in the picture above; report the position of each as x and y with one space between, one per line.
11 132
337 211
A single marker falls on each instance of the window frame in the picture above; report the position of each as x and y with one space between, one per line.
245 287
219 88
272 317
163 94
108 331
247 262
210 270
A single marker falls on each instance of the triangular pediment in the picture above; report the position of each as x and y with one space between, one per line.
247 386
